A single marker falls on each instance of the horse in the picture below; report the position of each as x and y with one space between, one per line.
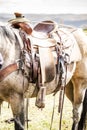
76 89
15 79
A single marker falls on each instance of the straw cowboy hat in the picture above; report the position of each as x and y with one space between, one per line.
18 18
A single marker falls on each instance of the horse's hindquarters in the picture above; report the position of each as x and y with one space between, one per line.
70 70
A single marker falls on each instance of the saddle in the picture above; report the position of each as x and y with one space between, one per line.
44 29
43 46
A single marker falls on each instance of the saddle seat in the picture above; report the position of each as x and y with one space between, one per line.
44 29
45 43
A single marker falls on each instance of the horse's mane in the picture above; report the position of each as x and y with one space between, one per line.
7 33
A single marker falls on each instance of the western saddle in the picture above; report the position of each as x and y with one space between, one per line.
42 48
44 29
43 41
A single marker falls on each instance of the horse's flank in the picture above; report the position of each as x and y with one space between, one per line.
81 68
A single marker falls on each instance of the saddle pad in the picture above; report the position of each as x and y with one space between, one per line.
44 29
47 64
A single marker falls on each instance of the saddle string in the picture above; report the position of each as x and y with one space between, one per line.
61 97
62 70
62 92
52 113
27 113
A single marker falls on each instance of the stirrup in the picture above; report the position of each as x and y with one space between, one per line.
40 99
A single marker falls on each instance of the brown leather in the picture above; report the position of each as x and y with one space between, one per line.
24 26
45 27
8 70
47 64
47 74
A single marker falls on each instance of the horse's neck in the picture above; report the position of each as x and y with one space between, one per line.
9 46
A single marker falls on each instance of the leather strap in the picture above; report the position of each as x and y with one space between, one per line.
8 70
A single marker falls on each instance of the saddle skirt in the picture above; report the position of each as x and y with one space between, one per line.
69 44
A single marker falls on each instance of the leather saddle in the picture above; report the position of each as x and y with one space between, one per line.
44 29
43 45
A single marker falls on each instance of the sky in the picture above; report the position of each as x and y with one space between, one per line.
44 6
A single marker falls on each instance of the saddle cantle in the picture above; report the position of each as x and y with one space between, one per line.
44 29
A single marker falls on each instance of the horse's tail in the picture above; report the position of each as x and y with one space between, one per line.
84 113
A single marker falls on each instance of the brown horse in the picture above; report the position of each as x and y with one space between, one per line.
15 75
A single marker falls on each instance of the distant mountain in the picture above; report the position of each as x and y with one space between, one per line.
78 20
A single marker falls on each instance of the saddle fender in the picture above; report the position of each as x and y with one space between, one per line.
47 64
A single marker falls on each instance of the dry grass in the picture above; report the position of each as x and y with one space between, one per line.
41 119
